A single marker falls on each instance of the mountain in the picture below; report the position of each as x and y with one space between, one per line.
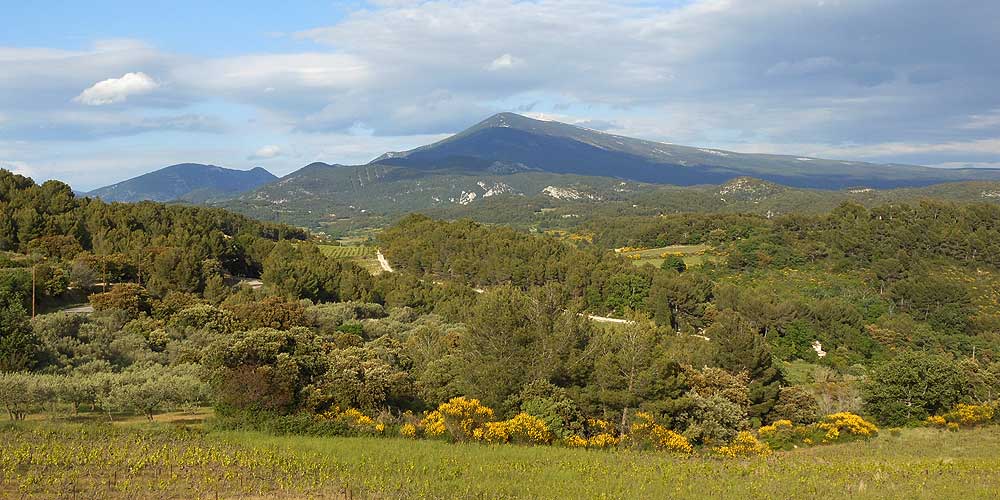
191 182
509 142
510 167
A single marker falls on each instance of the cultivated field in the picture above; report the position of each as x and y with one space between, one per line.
364 256
58 460
693 255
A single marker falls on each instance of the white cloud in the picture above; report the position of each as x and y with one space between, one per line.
266 153
18 167
983 120
503 62
256 74
115 90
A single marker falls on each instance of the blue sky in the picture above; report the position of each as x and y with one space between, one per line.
95 92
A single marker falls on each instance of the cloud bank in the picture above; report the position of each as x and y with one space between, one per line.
884 80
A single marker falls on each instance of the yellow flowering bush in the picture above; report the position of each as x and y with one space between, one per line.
775 428
603 440
523 428
459 417
963 415
645 430
936 421
596 425
356 420
408 431
784 435
846 424
433 424
574 441
744 445
966 415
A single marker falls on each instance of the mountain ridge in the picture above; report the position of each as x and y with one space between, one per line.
530 144
192 182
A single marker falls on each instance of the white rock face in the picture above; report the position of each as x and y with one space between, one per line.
818 347
494 188
713 152
567 194
467 197
991 194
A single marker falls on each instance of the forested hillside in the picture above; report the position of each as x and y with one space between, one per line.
74 243
486 333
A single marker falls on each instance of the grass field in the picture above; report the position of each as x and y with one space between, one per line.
363 256
49 460
693 255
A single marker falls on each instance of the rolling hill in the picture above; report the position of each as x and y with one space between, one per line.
190 182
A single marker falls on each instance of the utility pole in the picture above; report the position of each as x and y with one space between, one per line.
33 267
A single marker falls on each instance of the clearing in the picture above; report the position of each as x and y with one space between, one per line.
362 255
693 255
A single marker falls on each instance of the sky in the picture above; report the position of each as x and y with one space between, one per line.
95 92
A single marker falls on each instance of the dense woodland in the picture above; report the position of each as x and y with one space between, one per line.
902 300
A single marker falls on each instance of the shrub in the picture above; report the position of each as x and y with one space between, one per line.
796 405
970 415
603 440
408 430
433 424
356 420
840 426
646 432
744 445
522 428
459 417
673 261
963 415
128 297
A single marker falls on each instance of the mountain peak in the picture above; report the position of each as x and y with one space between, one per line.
520 122
505 120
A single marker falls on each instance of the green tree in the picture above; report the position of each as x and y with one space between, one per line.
626 291
673 262
913 385
742 349
18 343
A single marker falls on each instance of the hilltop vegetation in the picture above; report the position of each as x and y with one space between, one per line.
337 199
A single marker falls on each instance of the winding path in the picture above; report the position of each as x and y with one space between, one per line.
383 262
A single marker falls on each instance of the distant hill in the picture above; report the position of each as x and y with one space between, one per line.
191 182
509 142
335 198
